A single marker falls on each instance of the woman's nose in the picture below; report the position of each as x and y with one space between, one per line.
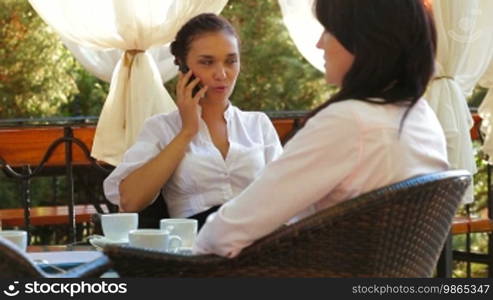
220 73
319 43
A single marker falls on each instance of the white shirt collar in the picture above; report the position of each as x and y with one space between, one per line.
228 113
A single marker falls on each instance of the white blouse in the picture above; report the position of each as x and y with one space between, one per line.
347 149
203 179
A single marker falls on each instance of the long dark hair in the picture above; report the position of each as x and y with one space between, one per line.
394 45
196 26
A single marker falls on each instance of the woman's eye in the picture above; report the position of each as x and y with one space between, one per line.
206 62
232 61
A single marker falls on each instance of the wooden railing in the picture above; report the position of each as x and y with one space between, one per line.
45 145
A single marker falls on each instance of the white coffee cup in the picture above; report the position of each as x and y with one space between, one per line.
186 229
117 226
155 239
18 237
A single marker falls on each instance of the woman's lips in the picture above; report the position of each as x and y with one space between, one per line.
220 89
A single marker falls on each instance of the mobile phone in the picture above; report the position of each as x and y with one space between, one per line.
184 69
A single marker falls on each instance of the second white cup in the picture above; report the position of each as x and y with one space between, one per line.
155 239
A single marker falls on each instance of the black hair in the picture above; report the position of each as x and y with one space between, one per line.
196 26
394 48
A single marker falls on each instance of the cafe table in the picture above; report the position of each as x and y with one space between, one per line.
60 258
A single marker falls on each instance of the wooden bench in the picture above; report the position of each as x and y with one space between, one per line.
27 152
46 215
463 225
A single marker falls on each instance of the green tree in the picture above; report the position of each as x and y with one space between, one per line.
477 96
274 75
91 94
35 68
39 77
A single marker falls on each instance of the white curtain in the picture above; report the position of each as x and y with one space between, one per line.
465 48
304 29
133 27
485 111
101 63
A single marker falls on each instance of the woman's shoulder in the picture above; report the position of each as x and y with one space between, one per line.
359 114
374 115
363 107
163 118
163 122
344 109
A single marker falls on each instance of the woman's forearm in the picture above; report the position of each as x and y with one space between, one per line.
140 187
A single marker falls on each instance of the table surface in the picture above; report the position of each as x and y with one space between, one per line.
51 248
56 248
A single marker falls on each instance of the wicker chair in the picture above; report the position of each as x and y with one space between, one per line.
15 264
394 231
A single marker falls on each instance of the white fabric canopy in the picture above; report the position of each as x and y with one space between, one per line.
465 48
134 26
304 29
485 111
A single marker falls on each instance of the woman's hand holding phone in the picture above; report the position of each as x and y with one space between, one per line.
188 102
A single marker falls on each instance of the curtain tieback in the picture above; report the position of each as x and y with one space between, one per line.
128 61
443 77
129 57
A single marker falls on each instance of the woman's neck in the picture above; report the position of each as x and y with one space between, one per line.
213 108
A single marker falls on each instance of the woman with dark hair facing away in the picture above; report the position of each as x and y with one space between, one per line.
375 131
208 150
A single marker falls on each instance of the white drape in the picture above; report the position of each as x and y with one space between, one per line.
304 29
465 48
485 111
134 26
101 63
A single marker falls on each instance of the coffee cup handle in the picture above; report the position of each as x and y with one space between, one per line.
174 243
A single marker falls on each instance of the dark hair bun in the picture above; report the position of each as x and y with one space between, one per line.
200 24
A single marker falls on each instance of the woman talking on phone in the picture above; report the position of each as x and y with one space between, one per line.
207 151
375 131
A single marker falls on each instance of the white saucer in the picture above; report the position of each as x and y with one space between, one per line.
100 242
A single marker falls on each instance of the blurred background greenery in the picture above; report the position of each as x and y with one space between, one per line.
40 78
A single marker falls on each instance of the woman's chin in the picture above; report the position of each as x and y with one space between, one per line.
332 81
210 97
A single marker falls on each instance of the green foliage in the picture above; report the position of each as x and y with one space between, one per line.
91 94
274 75
43 191
478 241
9 192
477 96
39 77
35 68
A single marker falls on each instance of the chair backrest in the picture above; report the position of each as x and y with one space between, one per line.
14 263
395 231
